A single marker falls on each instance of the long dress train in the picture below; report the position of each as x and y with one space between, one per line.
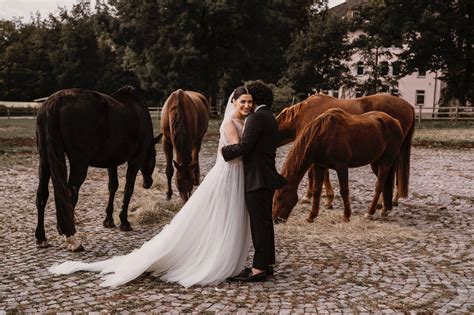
206 242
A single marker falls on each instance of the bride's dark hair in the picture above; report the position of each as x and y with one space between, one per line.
241 90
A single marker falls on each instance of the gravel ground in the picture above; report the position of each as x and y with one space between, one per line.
419 259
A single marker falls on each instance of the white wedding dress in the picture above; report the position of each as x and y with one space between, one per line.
206 242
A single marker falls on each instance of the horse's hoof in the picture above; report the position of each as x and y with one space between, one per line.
77 249
379 206
279 220
305 200
330 207
309 220
109 224
126 227
168 196
384 213
345 219
369 216
395 203
42 244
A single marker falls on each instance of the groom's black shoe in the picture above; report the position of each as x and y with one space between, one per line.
243 273
262 276
270 271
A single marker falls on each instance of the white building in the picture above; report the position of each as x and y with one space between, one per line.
421 89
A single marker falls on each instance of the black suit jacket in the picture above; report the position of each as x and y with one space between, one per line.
258 149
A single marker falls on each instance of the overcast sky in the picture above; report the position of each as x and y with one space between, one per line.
24 8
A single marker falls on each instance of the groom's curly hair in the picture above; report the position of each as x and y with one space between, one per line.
261 93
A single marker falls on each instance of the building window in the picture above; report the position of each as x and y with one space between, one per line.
396 68
421 73
420 97
360 68
384 68
355 14
359 93
335 93
394 92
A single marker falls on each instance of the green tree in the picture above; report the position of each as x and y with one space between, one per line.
71 49
318 57
209 46
380 33
436 35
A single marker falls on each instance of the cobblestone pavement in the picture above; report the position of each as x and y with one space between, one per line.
418 259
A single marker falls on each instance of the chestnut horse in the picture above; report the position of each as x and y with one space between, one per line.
339 141
184 122
292 120
91 129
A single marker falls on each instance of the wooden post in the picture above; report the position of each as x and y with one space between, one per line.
457 110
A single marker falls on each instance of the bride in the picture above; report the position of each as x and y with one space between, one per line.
208 240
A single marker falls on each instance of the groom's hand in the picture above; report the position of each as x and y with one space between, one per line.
252 131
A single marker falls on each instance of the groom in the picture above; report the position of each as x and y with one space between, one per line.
258 147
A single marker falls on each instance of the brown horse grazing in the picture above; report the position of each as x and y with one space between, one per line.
92 129
184 122
339 141
294 119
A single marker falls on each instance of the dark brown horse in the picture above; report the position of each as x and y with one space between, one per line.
91 129
294 119
184 122
339 141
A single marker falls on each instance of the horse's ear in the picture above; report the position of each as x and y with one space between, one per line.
178 167
157 139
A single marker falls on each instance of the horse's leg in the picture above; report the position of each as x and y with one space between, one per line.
113 186
318 179
168 149
329 190
381 177
310 191
397 195
343 176
375 169
77 175
195 157
42 195
388 190
131 176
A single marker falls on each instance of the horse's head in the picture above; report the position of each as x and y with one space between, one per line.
284 201
185 179
149 163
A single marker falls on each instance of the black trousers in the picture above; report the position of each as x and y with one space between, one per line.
259 205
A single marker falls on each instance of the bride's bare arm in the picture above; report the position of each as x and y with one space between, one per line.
231 132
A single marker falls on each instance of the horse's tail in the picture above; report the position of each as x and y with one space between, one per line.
403 165
57 163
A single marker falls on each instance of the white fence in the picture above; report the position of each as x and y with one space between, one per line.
459 113
453 113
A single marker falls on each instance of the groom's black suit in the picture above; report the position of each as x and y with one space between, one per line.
258 148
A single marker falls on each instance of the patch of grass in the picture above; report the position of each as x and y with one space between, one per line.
445 137
17 128
444 124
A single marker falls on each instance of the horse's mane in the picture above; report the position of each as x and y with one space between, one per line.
301 155
289 113
178 123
